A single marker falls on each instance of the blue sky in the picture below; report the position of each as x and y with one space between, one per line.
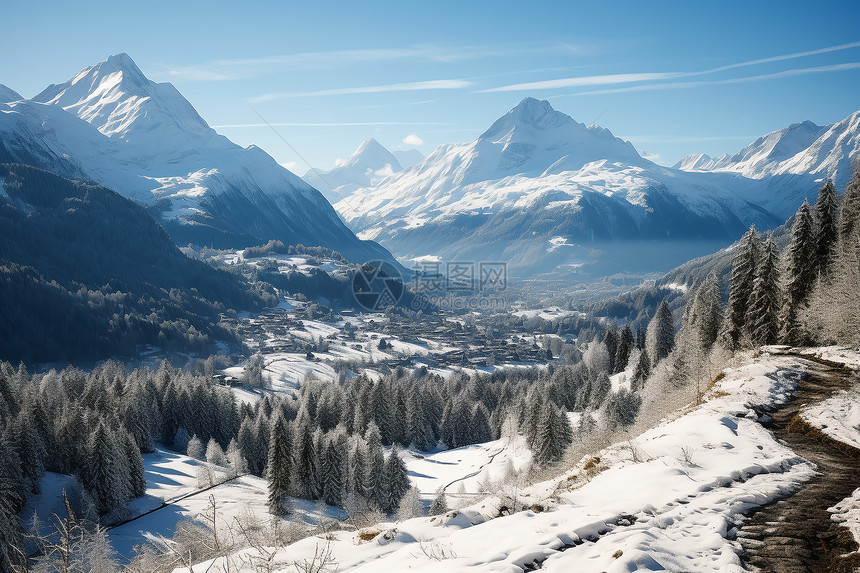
672 78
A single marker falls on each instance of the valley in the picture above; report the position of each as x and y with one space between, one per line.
562 288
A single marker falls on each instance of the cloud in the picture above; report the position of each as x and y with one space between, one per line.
291 165
787 57
404 87
413 139
241 68
609 79
606 79
745 79
324 124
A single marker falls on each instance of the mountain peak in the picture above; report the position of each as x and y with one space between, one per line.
116 98
122 62
530 114
8 94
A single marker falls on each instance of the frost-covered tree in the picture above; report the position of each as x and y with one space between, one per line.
439 505
235 459
411 505
622 407
195 448
735 327
279 469
801 272
765 300
215 455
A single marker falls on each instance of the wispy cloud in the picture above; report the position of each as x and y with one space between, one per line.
606 79
404 87
325 124
786 57
726 81
240 68
610 79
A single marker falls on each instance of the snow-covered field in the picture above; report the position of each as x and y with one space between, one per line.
466 472
664 500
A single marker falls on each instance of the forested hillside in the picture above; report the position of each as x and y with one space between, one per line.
87 274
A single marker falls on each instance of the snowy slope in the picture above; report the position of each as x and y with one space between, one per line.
8 94
665 500
113 125
366 167
538 176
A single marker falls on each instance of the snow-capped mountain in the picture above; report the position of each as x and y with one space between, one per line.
540 190
113 125
8 94
802 148
366 167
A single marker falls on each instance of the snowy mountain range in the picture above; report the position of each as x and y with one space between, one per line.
368 166
544 192
113 125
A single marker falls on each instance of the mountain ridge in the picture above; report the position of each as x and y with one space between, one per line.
112 125
541 191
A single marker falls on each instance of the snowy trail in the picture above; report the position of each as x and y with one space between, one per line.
173 501
797 533
476 472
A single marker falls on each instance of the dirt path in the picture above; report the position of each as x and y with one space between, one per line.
796 534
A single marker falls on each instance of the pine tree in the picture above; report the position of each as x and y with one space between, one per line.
826 230
801 272
765 300
642 370
480 425
307 466
662 331
136 470
554 435
103 476
279 468
849 216
610 340
11 502
334 473
396 482
709 311
375 489
626 343
358 467
740 289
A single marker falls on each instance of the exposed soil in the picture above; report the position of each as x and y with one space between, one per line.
796 534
